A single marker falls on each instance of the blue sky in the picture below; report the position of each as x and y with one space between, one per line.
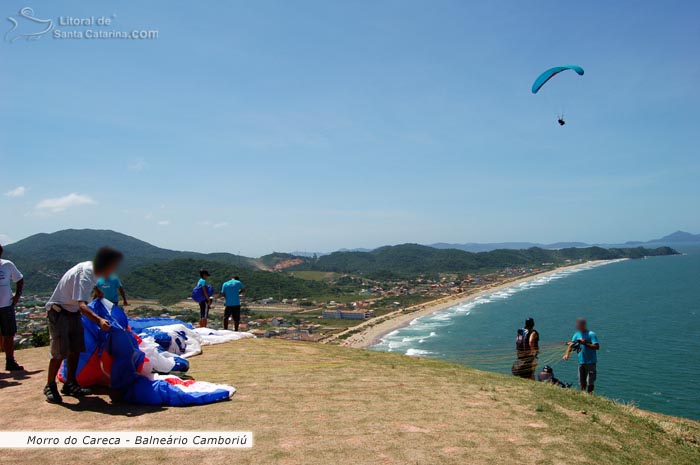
314 125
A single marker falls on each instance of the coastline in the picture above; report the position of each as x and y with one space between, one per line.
374 333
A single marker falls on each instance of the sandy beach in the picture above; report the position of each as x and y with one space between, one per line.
400 318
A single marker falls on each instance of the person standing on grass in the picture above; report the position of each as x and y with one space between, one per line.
231 291
111 288
8 320
64 309
586 343
527 345
204 305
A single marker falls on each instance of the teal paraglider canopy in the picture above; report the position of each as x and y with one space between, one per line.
550 73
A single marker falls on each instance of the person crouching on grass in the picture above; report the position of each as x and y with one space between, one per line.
64 310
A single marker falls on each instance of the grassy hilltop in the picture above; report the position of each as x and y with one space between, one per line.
318 404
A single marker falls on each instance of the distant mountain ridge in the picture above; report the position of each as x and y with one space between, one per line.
43 258
408 260
678 237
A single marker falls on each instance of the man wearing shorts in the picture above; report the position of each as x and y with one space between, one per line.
64 309
587 342
8 323
232 291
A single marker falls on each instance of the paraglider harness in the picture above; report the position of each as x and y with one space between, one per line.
560 120
575 346
523 365
522 343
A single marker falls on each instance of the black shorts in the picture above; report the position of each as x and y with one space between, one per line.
233 311
8 321
587 374
204 309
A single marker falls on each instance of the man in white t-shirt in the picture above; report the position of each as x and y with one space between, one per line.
8 323
64 309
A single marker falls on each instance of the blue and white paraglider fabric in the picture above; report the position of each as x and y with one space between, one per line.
116 359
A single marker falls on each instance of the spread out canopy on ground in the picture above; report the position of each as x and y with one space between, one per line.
550 73
128 363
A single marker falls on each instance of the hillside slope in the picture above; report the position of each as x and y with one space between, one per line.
413 259
316 404
43 258
172 281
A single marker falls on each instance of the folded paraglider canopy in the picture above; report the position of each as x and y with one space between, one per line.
114 358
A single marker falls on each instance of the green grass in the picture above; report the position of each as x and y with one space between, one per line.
318 404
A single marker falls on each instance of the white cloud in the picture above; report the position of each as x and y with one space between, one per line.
59 204
16 192
138 164
164 223
221 225
5 239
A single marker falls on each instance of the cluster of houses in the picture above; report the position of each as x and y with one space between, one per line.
279 327
31 317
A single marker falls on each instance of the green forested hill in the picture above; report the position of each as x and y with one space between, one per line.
169 275
43 258
173 281
412 259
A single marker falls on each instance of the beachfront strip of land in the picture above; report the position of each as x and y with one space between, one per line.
370 332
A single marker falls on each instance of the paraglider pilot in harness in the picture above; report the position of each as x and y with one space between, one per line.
527 348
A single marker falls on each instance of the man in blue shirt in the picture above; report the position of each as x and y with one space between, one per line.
232 291
111 288
586 342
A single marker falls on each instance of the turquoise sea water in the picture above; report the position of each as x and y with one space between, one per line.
646 314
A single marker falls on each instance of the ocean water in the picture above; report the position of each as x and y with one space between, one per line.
646 314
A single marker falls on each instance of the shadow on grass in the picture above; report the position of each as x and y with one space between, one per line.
17 376
100 405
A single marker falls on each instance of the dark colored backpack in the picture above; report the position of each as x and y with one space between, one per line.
522 341
198 293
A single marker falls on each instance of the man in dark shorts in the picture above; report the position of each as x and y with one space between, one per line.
64 309
585 342
8 301
232 291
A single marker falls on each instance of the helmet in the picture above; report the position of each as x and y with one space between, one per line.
530 323
547 369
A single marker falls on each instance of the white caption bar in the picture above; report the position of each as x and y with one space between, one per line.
122 439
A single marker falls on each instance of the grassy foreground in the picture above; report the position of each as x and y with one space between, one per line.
320 404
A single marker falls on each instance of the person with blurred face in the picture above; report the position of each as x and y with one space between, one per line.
586 342
64 309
